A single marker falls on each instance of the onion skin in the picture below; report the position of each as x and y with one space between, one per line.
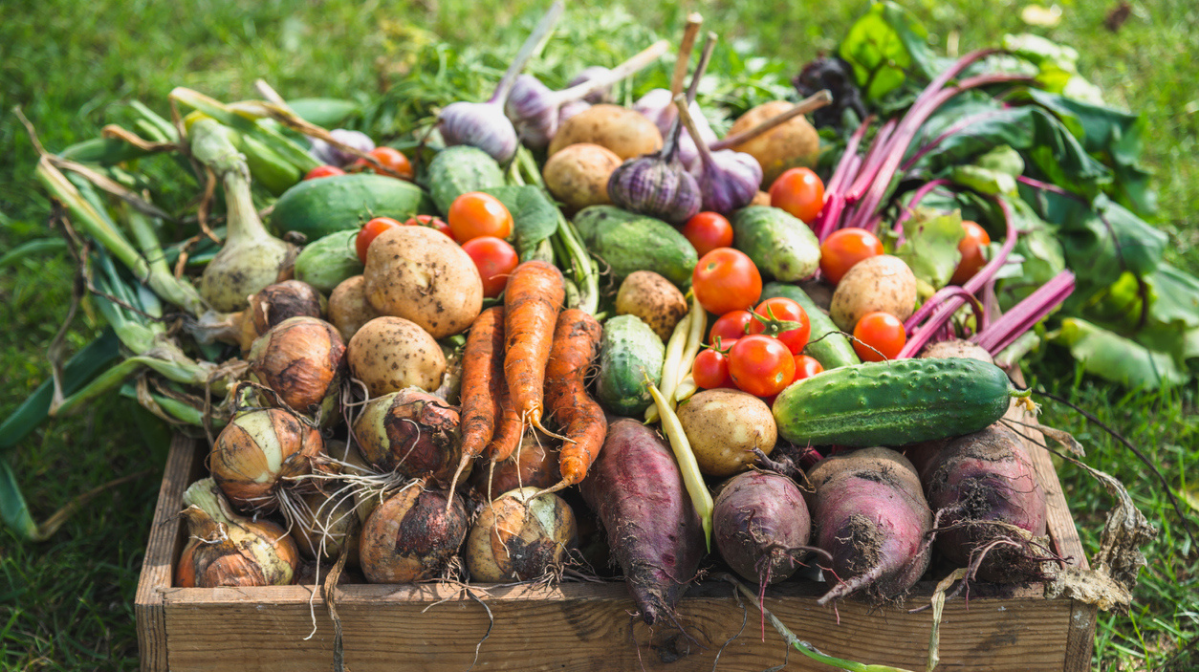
304 360
411 432
342 523
412 536
518 539
531 465
275 303
256 451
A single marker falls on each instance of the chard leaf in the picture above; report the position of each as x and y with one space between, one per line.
534 217
930 246
992 173
1116 358
887 47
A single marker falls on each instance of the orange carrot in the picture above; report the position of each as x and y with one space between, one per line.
482 380
578 416
508 429
532 299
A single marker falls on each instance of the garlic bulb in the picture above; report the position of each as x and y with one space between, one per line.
332 156
728 180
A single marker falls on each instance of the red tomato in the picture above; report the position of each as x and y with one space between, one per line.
799 192
495 260
777 310
476 214
324 171
845 248
807 367
711 370
390 158
432 222
707 231
725 280
730 326
761 365
878 336
971 249
370 231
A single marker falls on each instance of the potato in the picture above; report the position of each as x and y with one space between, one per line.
623 131
389 354
883 283
956 348
791 144
348 307
578 175
761 198
654 299
422 275
724 427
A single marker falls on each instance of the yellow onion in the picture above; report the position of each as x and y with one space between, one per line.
520 537
303 359
328 525
412 536
257 451
274 304
225 549
410 432
534 465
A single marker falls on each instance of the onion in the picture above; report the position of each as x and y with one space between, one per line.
327 526
412 536
520 537
303 359
257 451
410 432
274 304
533 464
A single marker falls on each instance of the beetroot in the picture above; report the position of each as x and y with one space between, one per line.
655 535
760 523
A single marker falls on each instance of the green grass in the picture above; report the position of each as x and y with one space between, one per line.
67 604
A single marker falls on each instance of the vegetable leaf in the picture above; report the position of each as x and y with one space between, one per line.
886 47
992 173
1116 358
930 246
534 217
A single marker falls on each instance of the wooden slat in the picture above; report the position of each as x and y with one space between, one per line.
161 552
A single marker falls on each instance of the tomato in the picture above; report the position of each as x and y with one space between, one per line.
370 231
432 222
324 171
711 370
761 365
707 231
495 260
777 310
878 336
807 367
730 327
388 157
799 192
971 249
476 214
845 248
725 280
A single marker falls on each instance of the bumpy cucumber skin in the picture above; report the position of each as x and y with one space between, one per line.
317 208
326 262
629 351
893 403
782 246
833 351
629 243
458 170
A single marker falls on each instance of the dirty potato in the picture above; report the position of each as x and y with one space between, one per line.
724 427
389 354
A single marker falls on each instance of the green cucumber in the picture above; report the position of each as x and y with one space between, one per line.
324 112
458 170
630 352
894 403
326 262
782 246
826 343
317 208
628 242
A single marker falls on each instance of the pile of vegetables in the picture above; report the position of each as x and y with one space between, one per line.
417 355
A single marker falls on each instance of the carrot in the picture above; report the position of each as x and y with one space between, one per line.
482 379
507 434
578 416
532 299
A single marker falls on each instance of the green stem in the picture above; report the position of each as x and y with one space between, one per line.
212 147
246 124
587 277
177 292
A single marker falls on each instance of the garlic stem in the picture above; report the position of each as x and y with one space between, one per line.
681 104
690 31
671 148
639 61
532 44
814 102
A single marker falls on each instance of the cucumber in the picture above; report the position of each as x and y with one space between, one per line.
326 262
629 352
317 208
458 170
325 112
826 343
782 246
894 403
628 242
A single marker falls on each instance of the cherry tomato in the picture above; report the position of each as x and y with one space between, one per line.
878 336
780 309
971 249
799 192
711 370
730 327
476 214
845 248
725 280
807 367
432 222
388 157
324 171
707 231
370 231
495 260
761 365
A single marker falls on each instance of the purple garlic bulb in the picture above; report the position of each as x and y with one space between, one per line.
332 156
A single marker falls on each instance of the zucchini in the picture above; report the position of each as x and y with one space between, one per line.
317 208
460 169
630 352
894 403
826 343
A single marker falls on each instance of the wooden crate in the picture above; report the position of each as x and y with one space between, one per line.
579 626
